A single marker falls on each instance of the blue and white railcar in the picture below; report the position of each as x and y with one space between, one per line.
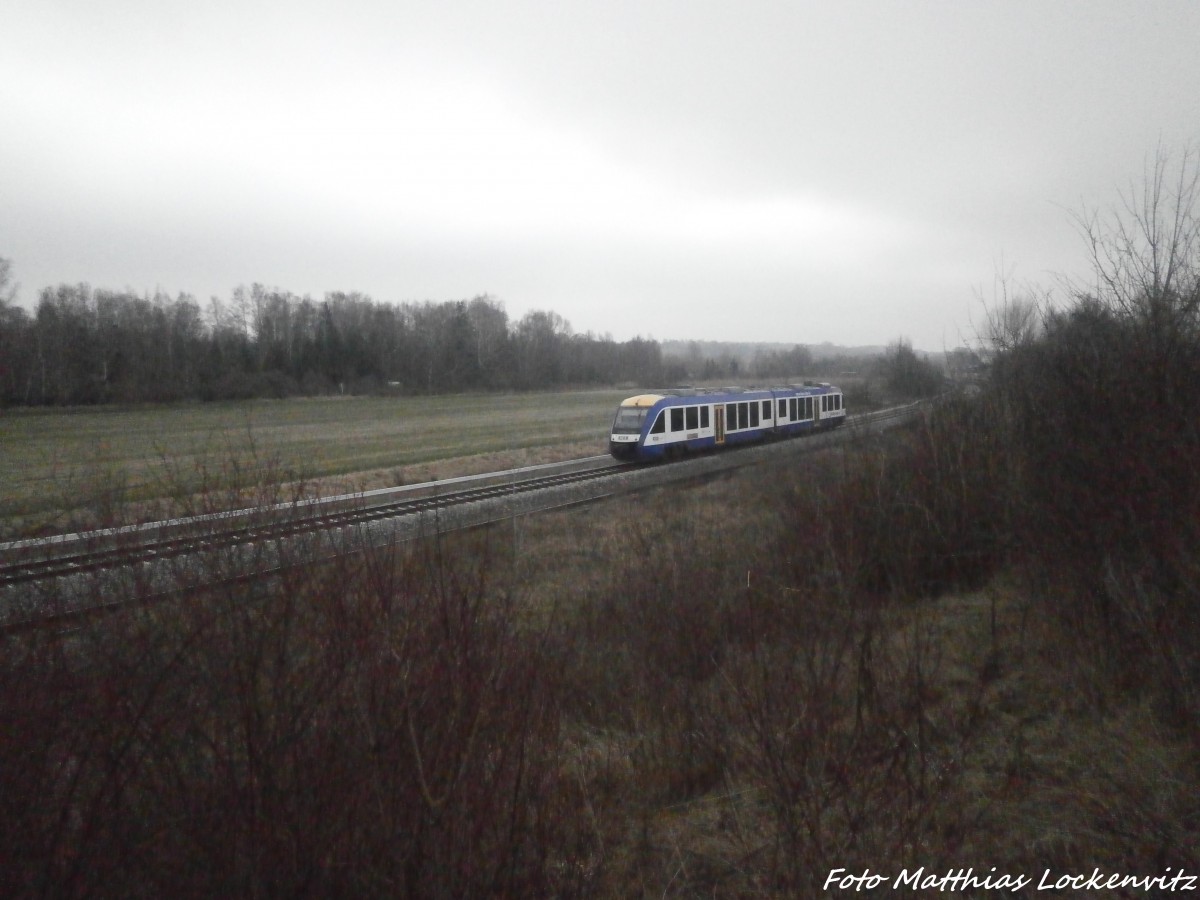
669 424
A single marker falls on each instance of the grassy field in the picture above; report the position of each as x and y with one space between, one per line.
99 466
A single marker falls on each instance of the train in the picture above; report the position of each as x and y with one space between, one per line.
670 424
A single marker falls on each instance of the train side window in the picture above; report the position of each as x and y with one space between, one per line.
743 415
837 401
693 418
792 409
753 415
824 403
766 413
782 408
808 407
660 424
677 419
704 417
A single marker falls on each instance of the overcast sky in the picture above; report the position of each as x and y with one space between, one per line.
775 170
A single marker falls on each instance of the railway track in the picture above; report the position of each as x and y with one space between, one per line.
64 574
30 561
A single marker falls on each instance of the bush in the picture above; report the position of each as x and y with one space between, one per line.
910 515
907 375
1112 490
354 730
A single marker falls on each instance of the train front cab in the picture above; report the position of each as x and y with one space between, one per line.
657 426
629 426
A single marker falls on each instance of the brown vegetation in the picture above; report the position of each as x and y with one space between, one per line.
732 689
970 644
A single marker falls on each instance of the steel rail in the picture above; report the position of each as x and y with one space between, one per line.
30 566
25 563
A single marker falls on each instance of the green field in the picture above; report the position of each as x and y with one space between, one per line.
67 468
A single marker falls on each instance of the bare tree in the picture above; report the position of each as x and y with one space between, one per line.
1014 315
16 358
1013 323
1145 250
8 287
906 373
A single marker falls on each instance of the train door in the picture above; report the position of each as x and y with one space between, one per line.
719 423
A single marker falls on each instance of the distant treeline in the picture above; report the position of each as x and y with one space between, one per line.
88 346
85 345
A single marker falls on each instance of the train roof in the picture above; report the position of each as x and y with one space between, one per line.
643 400
681 394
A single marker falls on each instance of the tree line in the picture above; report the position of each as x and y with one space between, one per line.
84 346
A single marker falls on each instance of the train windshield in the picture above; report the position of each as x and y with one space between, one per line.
629 419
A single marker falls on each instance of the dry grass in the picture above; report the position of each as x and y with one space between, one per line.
81 468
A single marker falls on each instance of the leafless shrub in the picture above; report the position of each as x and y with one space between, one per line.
1145 250
353 729
906 516
1012 316
643 654
1100 415
1109 482
231 472
831 707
